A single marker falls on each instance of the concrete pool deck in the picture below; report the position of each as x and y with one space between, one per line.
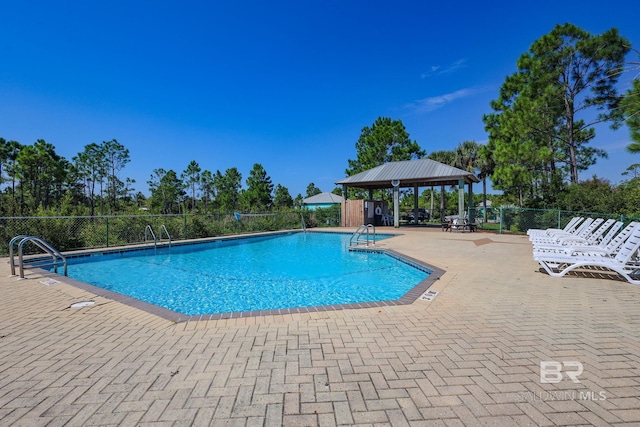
472 356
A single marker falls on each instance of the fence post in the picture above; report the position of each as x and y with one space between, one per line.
107 222
501 219
559 212
185 226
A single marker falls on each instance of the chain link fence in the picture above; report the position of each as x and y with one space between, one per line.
68 233
519 220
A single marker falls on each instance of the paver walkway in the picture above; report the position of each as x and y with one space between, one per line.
470 357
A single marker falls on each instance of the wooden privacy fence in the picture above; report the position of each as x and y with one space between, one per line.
358 212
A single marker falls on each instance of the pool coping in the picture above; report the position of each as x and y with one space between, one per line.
409 297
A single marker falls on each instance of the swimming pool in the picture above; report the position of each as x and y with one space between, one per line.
274 272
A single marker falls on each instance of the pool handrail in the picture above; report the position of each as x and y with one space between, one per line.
42 244
11 243
163 227
148 230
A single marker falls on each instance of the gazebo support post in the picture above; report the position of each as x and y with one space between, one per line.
343 220
415 204
442 203
461 199
396 205
472 212
431 206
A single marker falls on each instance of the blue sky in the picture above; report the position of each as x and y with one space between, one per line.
287 84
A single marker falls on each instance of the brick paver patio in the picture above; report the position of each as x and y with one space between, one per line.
469 357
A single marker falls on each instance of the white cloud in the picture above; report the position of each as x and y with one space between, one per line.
460 63
438 69
434 102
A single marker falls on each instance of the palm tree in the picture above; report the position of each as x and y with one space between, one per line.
474 157
448 158
443 156
485 164
465 156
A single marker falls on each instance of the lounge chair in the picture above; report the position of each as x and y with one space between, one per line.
604 241
596 239
588 236
554 234
625 261
608 246
571 225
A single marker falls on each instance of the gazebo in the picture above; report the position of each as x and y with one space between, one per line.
411 174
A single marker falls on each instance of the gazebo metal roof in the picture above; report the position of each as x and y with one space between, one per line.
423 172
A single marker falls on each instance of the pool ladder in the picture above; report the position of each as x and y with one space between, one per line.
42 244
363 230
148 231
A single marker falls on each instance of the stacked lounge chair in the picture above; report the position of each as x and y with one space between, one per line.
590 235
570 227
581 233
561 251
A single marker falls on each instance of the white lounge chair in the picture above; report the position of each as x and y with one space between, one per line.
608 246
617 227
596 240
571 225
587 236
555 234
625 262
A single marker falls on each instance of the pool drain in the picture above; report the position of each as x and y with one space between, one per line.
82 304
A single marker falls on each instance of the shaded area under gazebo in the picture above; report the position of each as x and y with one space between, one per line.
408 174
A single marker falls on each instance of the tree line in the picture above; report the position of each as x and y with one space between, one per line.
35 180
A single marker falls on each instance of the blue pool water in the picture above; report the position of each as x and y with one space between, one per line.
249 274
